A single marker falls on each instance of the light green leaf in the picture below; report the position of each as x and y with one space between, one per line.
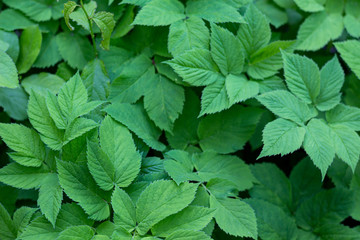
77 233
256 33
116 141
29 150
347 144
124 209
105 21
196 67
49 53
42 83
50 197
310 5
12 40
80 17
96 80
80 186
286 105
135 118
331 81
228 131
164 102
75 49
226 50
213 11
161 199
188 235
140 3
11 19
349 51
55 111
267 61
275 15
22 217
77 128
318 144
281 137
271 84
191 218
167 12
19 176
344 115
302 77
188 34
8 229
214 98
69 7
318 29
8 72
235 217
30 45
239 89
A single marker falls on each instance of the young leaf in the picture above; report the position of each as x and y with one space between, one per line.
80 17
22 217
30 45
168 12
318 144
188 34
349 51
161 199
196 67
226 50
8 229
77 128
344 115
302 77
106 23
69 7
281 137
124 209
79 186
29 149
235 217
55 111
239 89
8 72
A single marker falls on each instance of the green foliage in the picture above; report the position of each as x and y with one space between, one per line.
164 119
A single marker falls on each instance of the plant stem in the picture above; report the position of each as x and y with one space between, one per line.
91 29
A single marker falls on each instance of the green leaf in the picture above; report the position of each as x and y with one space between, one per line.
11 19
14 102
42 83
30 45
77 233
39 117
210 165
286 105
302 77
117 143
228 131
105 21
81 18
226 50
319 145
281 137
124 25
19 176
135 118
349 50
124 209
271 84
49 53
8 72
96 80
164 102
50 197
267 61
69 7
318 29
213 11
235 217
22 217
214 98
344 115
332 79
140 3
256 33
55 111
310 5
161 199
275 15
188 235
77 128
8 229
347 144
167 12
75 49
239 89
191 218
196 67
273 223
188 34
29 150
12 40
79 186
